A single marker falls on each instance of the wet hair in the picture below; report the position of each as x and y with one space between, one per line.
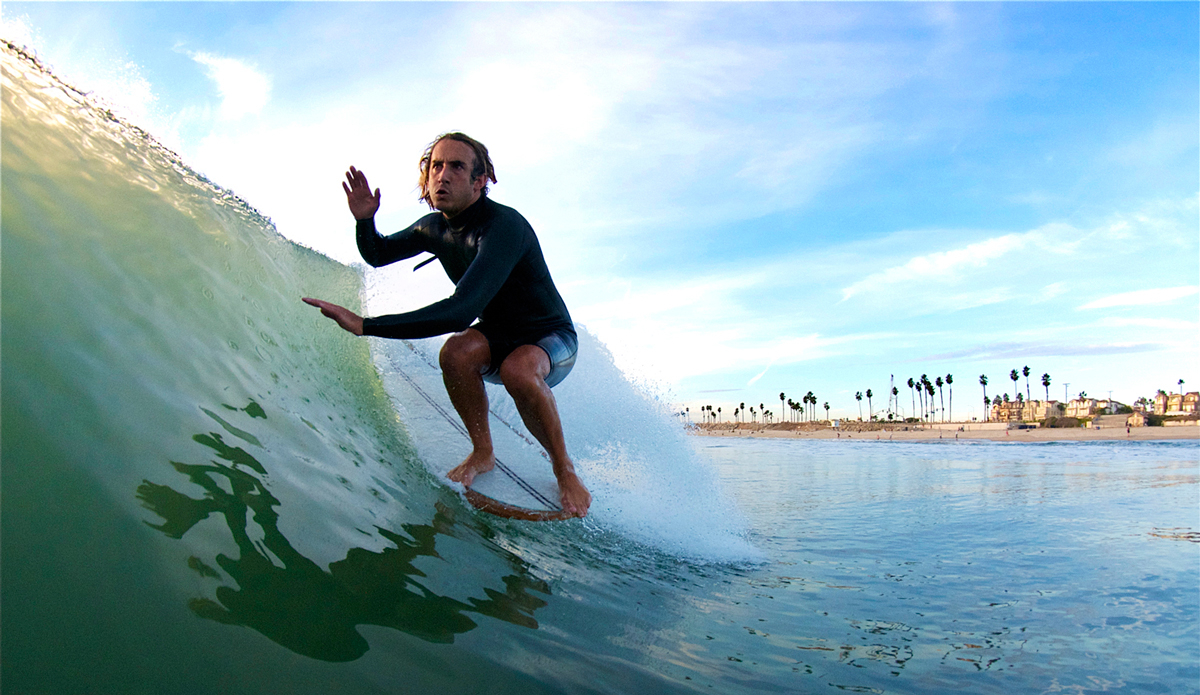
482 166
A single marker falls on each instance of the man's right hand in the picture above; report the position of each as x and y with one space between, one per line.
363 204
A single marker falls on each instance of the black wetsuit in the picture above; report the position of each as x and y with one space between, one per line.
493 257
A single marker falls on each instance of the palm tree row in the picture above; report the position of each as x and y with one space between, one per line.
740 412
799 414
923 391
1015 376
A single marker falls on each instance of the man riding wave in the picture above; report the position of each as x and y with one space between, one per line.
510 325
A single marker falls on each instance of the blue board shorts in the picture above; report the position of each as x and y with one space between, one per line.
561 347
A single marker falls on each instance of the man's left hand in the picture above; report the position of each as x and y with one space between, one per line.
345 318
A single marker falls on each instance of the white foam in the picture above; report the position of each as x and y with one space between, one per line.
647 481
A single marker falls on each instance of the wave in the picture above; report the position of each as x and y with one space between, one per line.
159 369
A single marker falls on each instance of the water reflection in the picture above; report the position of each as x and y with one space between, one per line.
292 600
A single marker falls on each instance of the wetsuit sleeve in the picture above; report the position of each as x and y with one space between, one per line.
499 251
379 250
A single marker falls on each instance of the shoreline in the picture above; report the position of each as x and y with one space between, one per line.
1066 434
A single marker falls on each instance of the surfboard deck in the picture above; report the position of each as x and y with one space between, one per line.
521 486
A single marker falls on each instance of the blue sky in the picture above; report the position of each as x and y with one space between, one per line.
738 199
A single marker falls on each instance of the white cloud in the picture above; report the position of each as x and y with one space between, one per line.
1052 290
760 375
1147 297
244 89
1165 141
947 268
1161 324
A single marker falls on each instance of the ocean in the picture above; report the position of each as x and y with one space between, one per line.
205 487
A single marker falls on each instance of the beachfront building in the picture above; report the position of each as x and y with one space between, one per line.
1027 411
1091 407
1040 410
1169 404
1083 407
1007 411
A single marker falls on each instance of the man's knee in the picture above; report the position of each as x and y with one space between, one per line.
524 372
467 350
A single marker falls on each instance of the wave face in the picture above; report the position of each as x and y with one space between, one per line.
190 451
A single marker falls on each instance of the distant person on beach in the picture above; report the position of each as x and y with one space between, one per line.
509 322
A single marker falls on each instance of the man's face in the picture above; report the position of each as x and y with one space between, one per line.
451 188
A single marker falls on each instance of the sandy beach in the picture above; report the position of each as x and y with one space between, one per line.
993 432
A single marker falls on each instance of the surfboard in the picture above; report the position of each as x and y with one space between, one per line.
521 486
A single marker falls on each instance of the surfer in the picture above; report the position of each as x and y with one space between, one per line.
523 338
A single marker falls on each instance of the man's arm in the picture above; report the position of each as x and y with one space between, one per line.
499 251
363 204
374 248
348 320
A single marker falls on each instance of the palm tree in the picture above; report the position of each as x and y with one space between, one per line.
870 410
950 385
812 400
743 407
718 413
1181 387
983 383
1014 375
1046 383
939 383
826 410
858 397
914 397
1025 371
781 401
896 395
928 395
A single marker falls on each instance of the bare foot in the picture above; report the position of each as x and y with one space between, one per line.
473 465
575 497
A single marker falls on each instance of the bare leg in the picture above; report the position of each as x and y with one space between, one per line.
464 358
524 376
